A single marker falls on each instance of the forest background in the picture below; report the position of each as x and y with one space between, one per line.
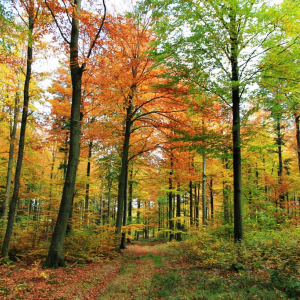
173 119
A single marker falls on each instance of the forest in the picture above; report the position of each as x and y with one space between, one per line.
149 149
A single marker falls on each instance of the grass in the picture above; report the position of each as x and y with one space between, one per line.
188 283
203 266
165 275
206 266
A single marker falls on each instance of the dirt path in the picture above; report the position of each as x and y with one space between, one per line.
144 271
135 279
127 276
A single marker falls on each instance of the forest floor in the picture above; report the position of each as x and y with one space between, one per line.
145 270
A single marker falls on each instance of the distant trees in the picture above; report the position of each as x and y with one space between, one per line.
216 47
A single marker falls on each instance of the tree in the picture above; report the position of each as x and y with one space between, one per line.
215 46
75 13
32 10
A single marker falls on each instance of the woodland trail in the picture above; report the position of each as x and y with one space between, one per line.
127 276
144 271
142 263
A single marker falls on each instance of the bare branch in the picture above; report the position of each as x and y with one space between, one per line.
55 20
67 11
99 31
21 16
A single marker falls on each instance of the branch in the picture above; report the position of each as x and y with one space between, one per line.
288 46
99 31
157 112
67 11
54 18
208 90
148 101
21 16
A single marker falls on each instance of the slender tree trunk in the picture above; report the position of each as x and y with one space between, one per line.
87 186
50 195
123 239
171 221
178 214
138 216
298 138
280 164
159 216
55 254
204 216
102 203
237 170
130 199
13 130
191 203
123 173
196 204
109 200
14 200
226 193
211 199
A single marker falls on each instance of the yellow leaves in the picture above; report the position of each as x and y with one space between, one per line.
136 227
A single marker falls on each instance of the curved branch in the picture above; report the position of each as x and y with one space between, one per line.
99 31
67 12
54 18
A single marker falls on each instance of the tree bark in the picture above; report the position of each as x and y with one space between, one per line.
55 254
123 239
87 186
13 131
298 138
130 199
236 124
280 164
178 214
211 199
138 216
191 203
204 214
171 221
14 200
123 173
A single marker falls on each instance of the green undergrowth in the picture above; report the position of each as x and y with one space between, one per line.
263 264
188 283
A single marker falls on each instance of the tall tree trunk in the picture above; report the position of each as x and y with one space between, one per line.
298 138
226 194
197 204
236 124
55 254
178 214
138 216
14 200
171 221
123 173
123 239
87 186
211 199
204 215
280 164
13 130
49 226
191 203
130 199
159 215
109 200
